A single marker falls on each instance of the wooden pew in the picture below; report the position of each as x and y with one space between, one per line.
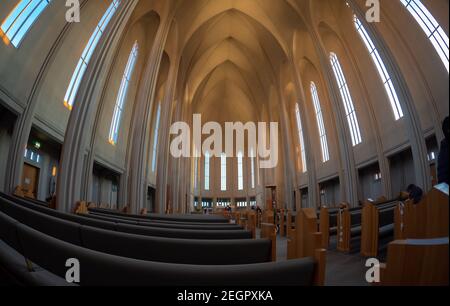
81 207
268 216
428 219
318 261
99 266
289 224
306 241
376 222
23 192
290 234
421 257
421 262
18 191
235 216
269 231
327 224
247 219
251 222
349 220
282 222
126 209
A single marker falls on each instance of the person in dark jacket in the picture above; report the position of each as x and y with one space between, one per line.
443 155
415 193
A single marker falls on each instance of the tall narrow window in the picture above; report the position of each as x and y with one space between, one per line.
21 19
252 168
155 139
302 140
431 27
223 172
195 172
347 100
382 71
122 95
240 164
320 123
207 170
83 63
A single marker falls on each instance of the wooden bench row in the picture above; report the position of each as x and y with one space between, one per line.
419 255
100 269
164 217
130 247
139 246
302 243
427 219
156 230
306 241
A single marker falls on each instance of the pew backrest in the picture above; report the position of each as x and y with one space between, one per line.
110 270
426 220
416 262
190 225
144 247
178 218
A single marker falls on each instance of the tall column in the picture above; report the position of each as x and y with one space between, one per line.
313 189
87 182
140 130
370 108
348 174
73 155
176 175
289 155
164 137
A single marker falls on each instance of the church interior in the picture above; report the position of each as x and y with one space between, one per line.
224 143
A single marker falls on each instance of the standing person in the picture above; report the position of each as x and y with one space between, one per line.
443 155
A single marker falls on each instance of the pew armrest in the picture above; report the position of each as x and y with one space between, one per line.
320 258
268 231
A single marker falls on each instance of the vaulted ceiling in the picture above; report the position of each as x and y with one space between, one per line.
232 51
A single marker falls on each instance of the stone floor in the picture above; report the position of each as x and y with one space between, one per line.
342 269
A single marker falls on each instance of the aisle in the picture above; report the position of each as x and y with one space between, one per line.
342 269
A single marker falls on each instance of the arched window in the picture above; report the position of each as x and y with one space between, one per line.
382 71
302 140
207 170
155 139
81 68
122 95
320 123
347 100
21 19
223 172
240 163
431 27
